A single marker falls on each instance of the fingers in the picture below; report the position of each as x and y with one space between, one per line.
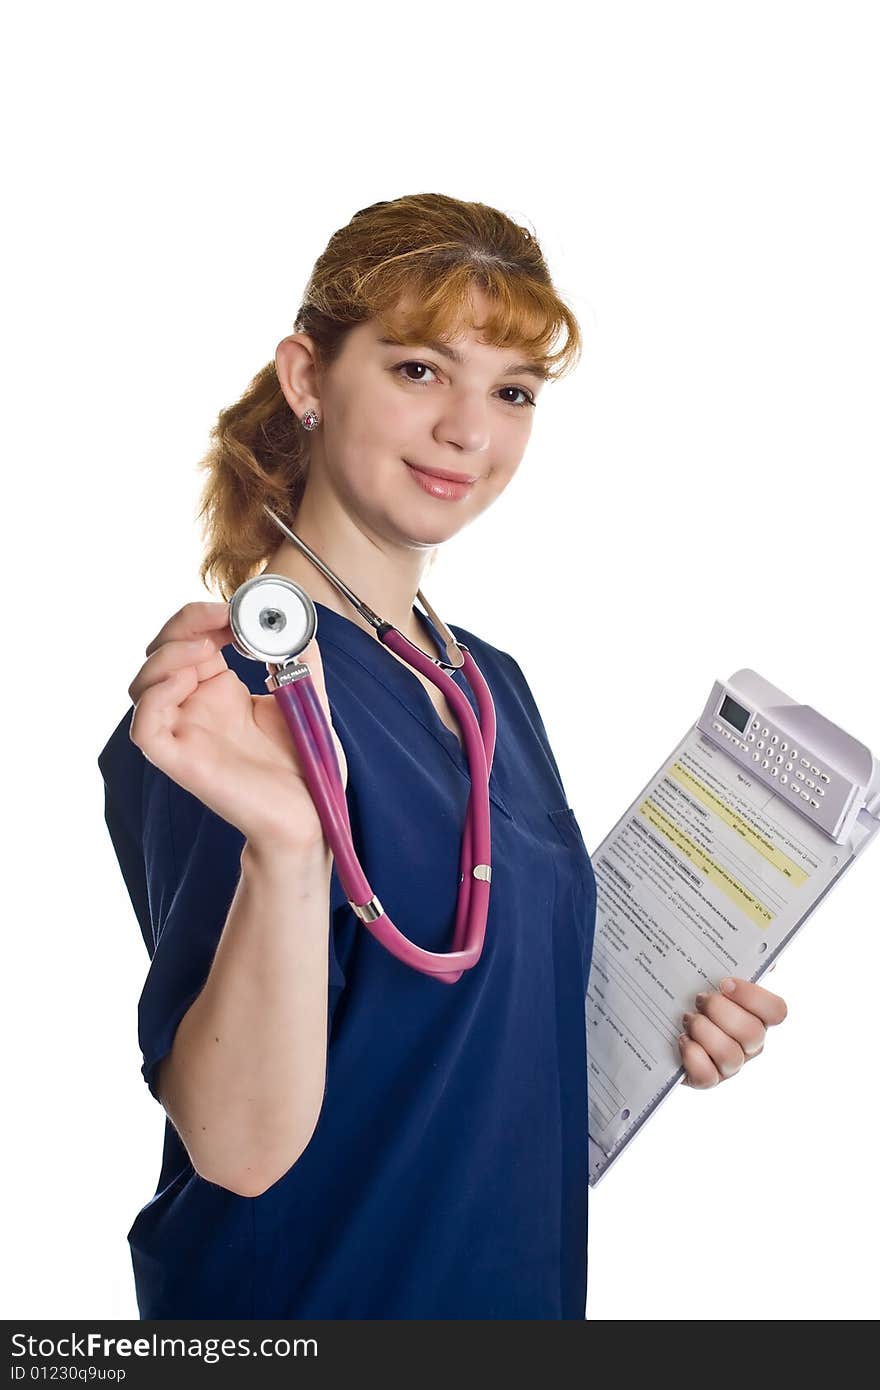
193 636
713 1055
700 1070
202 653
737 1024
728 1029
769 1008
153 722
194 620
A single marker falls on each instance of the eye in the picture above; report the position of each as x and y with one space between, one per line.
422 365
528 398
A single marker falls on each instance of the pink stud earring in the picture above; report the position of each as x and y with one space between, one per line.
311 420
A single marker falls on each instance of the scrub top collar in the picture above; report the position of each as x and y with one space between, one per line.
337 626
336 631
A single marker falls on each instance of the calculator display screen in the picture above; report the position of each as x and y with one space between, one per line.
735 714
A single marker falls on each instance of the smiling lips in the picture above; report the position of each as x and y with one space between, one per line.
446 486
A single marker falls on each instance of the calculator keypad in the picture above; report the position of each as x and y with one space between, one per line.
773 753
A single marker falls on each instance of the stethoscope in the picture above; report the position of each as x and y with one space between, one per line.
273 620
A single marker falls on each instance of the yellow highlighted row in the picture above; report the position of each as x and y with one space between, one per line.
756 911
787 867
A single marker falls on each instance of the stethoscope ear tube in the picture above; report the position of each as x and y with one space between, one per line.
258 620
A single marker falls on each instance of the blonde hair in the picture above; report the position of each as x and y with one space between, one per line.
426 250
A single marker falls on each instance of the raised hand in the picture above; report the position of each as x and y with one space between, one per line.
197 721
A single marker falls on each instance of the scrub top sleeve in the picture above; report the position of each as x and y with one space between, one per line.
121 764
192 860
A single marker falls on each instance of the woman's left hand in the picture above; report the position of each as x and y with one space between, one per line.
727 1030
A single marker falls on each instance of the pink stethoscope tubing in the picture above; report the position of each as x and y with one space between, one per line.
291 684
304 716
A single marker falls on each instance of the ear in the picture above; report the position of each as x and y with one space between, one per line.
296 362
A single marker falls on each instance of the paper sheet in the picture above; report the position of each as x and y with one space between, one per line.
709 873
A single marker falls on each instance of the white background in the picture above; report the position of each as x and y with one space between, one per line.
697 497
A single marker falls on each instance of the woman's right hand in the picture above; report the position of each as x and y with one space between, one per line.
197 721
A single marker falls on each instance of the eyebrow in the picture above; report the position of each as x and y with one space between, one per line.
531 368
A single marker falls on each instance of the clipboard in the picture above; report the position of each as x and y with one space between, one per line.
711 871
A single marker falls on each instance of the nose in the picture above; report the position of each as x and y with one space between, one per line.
465 423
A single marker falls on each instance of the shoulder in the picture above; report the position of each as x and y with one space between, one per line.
484 652
496 663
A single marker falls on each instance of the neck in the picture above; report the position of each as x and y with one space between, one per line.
387 578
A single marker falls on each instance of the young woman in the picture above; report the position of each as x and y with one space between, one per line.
348 1137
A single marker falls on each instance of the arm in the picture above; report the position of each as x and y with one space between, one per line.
244 1081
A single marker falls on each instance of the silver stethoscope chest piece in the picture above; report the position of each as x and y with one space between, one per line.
272 619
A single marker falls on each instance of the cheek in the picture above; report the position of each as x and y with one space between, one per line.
372 419
506 461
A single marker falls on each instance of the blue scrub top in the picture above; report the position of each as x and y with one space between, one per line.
447 1176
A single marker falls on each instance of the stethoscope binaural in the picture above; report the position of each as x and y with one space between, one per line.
273 620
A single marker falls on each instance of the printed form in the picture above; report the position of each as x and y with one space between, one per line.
709 873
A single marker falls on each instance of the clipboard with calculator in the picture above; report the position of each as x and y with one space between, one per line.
713 869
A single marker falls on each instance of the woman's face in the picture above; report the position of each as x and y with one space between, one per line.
387 410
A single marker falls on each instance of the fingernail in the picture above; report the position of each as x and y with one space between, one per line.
701 999
728 986
683 1038
686 1018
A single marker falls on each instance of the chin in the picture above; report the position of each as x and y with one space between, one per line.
425 541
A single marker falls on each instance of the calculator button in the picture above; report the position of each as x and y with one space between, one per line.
816 770
814 803
788 767
755 723
824 776
793 754
760 743
819 791
765 732
756 757
764 762
805 762
774 738
774 772
751 739
783 778
779 757
783 746
800 774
